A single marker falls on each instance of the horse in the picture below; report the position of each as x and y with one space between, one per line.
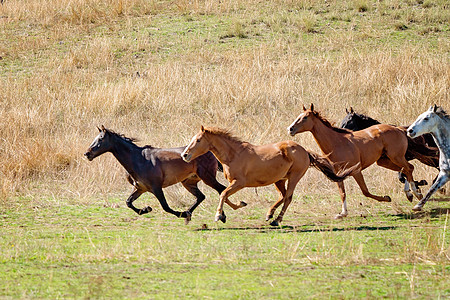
247 165
151 169
422 148
436 122
364 147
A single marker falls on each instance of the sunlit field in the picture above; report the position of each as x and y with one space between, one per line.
157 71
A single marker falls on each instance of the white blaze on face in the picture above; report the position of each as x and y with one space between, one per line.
185 154
295 122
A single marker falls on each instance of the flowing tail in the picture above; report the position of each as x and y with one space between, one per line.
323 165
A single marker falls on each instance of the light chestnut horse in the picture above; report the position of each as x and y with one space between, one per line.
384 144
247 165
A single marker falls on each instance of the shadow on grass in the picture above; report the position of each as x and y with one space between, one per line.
433 213
304 228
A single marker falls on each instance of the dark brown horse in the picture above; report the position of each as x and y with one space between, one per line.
384 144
152 169
247 165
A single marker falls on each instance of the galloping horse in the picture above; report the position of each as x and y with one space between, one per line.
437 122
422 148
247 165
364 147
152 169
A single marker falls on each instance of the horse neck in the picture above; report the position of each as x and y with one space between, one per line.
224 148
123 151
325 136
441 134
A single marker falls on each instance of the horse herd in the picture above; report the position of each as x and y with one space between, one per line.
346 152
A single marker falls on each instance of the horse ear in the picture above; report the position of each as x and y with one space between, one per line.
346 111
203 129
312 107
304 107
99 130
351 110
435 108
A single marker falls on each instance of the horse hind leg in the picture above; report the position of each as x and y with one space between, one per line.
407 169
291 184
281 187
385 162
362 185
191 186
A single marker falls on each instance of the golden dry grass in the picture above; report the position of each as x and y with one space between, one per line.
134 66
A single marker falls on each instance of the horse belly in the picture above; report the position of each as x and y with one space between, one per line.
175 172
268 173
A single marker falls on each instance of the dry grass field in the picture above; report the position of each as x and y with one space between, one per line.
157 70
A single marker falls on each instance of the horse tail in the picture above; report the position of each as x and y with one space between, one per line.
322 164
418 149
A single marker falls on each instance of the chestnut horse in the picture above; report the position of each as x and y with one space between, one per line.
151 169
247 165
364 147
422 148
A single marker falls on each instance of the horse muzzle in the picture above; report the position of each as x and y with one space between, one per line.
186 157
410 133
89 155
291 130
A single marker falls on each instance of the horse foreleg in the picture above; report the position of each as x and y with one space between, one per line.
343 195
362 185
280 186
440 181
133 197
230 190
158 192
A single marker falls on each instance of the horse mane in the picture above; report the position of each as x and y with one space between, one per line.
121 136
223 133
366 118
328 124
441 113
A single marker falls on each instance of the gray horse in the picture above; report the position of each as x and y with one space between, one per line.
437 122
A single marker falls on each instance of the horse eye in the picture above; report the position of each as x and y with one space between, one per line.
426 119
198 140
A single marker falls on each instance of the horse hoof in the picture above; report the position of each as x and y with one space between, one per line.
417 208
145 210
388 199
243 204
409 197
221 218
268 217
274 223
339 216
422 183
188 218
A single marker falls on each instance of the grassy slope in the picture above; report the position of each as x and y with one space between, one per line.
245 65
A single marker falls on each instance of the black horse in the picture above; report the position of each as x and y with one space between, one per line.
422 148
151 169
